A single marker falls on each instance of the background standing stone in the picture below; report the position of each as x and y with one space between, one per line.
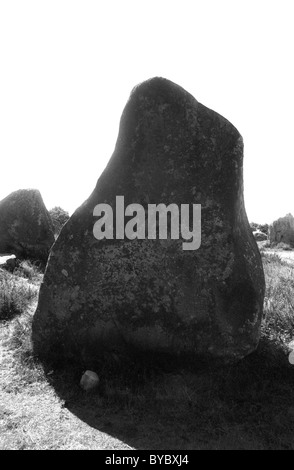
282 231
25 226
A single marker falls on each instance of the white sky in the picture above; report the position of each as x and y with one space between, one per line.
68 67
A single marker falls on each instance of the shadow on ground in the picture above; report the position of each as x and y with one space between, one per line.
246 406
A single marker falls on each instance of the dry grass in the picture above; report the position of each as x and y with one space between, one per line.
246 406
279 298
32 416
18 290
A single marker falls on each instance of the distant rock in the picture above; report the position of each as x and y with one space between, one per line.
149 296
282 231
259 236
25 226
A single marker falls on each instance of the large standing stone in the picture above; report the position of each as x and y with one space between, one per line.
151 295
25 225
282 230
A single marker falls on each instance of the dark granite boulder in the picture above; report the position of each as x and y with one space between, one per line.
25 225
151 296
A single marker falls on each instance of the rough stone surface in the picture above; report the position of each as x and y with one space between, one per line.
259 236
282 231
25 225
150 296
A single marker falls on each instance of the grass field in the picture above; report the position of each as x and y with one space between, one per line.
246 406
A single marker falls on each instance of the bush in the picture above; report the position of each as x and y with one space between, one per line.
261 227
59 216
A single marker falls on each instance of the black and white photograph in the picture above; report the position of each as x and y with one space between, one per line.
146 228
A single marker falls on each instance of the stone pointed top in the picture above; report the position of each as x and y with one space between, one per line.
159 87
158 99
